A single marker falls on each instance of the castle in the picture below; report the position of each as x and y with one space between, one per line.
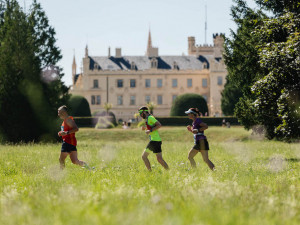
128 82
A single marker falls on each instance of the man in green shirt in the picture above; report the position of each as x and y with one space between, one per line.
152 125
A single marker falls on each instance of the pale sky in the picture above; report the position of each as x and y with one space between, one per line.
125 24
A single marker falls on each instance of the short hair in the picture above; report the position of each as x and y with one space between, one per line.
63 107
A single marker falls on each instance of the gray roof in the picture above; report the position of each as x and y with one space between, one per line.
144 62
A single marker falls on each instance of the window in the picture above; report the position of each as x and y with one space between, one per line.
120 100
147 99
174 97
98 102
96 66
175 66
154 63
93 99
132 100
132 82
205 65
159 99
220 80
96 84
159 83
147 83
174 82
119 83
204 82
132 66
189 82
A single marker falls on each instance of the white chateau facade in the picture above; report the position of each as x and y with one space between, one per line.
129 82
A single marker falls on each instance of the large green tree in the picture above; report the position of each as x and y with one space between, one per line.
27 45
262 58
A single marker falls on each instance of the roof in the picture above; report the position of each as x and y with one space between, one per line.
144 62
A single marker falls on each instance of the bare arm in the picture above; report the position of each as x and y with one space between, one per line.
73 126
203 127
156 126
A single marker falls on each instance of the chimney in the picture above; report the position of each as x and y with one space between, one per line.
118 53
108 52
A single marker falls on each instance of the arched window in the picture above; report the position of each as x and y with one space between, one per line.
175 66
154 63
133 67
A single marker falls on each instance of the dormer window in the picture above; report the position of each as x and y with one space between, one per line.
175 66
154 63
204 65
96 67
132 66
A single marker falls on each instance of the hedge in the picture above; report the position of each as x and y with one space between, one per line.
184 121
87 121
165 121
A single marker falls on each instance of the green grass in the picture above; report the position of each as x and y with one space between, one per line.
256 181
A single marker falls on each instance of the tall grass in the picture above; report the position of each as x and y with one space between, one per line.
256 181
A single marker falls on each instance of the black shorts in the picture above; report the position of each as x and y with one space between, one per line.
154 146
65 147
201 145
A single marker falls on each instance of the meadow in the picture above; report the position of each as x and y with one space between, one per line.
256 181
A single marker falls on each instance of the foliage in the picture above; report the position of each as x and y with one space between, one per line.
79 106
28 109
186 101
151 106
230 97
107 106
262 59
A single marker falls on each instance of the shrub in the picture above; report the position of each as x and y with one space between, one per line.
79 106
186 101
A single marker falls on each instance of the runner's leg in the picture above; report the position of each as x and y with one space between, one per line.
191 156
74 159
62 158
146 160
161 160
204 154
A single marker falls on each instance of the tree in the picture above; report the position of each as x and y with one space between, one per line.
277 95
107 106
230 97
186 101
151 106
79 106
28 109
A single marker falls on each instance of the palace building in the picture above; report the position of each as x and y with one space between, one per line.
129 82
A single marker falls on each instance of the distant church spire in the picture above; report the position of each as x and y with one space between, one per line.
74 68
149 45
86 51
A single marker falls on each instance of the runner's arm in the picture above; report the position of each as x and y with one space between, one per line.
156 126
203 127
71 123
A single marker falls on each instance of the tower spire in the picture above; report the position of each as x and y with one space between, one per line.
149 45
86 51
74 68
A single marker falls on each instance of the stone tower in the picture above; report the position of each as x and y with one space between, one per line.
74 69
151 51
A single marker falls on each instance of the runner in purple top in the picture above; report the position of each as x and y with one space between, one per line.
200 141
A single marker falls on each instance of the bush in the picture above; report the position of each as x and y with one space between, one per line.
186 101
184 121
79 106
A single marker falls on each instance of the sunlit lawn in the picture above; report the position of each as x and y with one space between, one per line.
256 181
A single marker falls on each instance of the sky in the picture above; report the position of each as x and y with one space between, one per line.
101 24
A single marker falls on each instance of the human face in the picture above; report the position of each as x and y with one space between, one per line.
61 113
143 114
191 116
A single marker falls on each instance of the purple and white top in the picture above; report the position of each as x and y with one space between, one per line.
196 125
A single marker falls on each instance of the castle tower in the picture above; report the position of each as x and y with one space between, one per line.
191 42
218 45
86 61
151 51
74 69
86 51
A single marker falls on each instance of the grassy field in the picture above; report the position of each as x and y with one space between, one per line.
256 181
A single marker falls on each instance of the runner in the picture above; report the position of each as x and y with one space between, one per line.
201 144
68 130
152 125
